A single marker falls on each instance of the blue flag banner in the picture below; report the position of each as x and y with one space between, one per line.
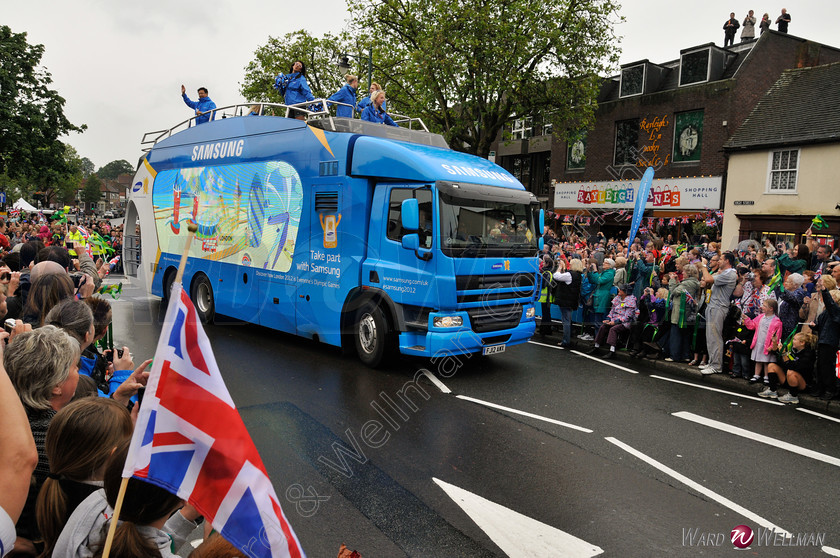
639 208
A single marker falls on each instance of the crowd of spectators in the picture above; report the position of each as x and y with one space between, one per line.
68 405
765 313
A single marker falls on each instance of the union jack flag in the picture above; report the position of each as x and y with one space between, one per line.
83 231
190 440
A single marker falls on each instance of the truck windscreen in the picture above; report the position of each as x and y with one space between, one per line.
484 228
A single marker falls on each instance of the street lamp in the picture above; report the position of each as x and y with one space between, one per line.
344 63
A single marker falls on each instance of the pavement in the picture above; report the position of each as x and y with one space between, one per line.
722 381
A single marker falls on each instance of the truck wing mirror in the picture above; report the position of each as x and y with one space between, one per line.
541 229
410 214
411 241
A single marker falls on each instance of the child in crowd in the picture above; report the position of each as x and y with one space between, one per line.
768 334
740 344
795 367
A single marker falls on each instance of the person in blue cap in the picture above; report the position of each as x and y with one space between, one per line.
203 106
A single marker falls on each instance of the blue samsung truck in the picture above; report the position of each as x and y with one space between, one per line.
355 234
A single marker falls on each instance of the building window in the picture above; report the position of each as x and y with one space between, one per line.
576 153
626 142
694 67
783 166
632 81
688 136
523 128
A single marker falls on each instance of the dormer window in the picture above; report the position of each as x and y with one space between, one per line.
632 81
694 67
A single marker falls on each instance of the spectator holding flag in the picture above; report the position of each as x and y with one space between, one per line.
149 525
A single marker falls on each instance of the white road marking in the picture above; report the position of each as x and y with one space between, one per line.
596 359
558 347
730 393
697 487
810 412
523 413
709 493
435 381
516 534
758 437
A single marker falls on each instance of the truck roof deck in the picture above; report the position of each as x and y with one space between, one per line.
265 115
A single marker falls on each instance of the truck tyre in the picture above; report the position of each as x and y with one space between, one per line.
372 336
202 297
168 279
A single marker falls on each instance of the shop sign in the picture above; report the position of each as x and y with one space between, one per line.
666 193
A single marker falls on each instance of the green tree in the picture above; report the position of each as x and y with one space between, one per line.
320 55
31 114
468 68
92 192
88 167
115 168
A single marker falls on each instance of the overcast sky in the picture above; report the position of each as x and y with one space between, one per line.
120 65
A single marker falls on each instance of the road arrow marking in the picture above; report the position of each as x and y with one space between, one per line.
516 534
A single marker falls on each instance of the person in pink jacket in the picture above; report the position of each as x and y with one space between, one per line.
766 339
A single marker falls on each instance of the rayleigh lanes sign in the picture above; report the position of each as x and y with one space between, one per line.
665 193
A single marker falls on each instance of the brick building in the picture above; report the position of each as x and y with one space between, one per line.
674 116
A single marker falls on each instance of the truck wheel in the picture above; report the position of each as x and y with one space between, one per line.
372 336
202 297
168 280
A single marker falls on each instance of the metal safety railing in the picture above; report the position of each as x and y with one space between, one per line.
316 109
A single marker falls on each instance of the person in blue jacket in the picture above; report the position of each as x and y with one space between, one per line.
294 88
375 111
363 104
346 96
203 106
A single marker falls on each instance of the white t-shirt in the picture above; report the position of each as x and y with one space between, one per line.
7 533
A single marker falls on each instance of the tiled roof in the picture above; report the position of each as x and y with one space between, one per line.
800 108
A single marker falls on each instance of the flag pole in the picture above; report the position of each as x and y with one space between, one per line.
192 228
112 528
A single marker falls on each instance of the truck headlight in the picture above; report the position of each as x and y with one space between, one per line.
448 321
530 312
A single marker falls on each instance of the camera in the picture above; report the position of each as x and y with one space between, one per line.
77 279
109 355
6 276
9 324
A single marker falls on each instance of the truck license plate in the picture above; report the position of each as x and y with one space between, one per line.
493 349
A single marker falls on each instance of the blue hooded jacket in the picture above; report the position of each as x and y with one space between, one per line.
203 105
379 116
363 104
346 95
294 88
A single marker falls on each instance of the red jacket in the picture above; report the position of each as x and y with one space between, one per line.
775 329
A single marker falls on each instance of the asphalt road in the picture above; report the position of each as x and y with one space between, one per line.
611 460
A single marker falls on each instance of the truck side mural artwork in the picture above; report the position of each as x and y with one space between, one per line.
260 233
368 237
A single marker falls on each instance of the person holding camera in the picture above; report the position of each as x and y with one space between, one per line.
782 21
748 29
567 295
729 28
723 284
